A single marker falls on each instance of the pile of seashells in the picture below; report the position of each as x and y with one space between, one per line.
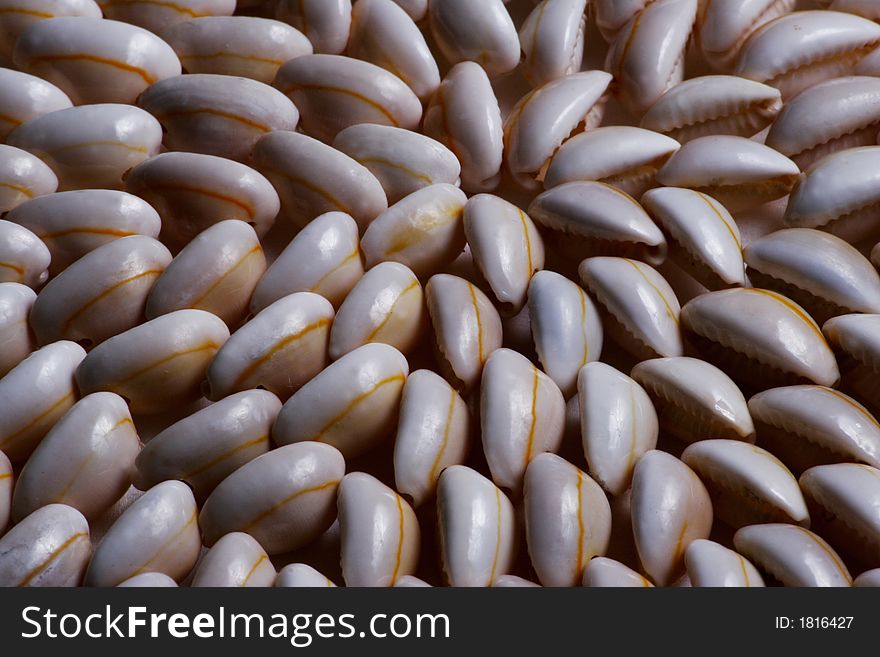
423 292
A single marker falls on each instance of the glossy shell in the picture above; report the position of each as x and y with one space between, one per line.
725 27
16 339
552 39
157 14
24 97
300 575
236 560
23 176
603 572
325 22
483 33
854 338
16 20
24 258
713 565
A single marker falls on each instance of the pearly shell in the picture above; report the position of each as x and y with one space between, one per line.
711 564
16 339
24 258
604 572
300 575
613 15
482 32
325 22
154 15
18 15
236 560
24 97
23 176
148 580
552 40
726 26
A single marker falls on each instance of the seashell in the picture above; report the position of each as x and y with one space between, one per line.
512 581
869 578
313 178
408 581
869 64
416 9
670 509
604 572
100 295
618 424
16 339
613 15
865 8
361 93
759 338
36 393
711 564
401 160
792 555
22 177
154 15
236 560
738 172
482 32
18 15
383 34
695 400
423 231
246 46
24 97
204 448
662 28
714 105
219 115
801 49
6 487
832 116
85 460
72 224
148 580
217 272
477 531
158 365
812 425
567 518
386 305
639 305
844 500
90 146
23 256
93 60
324 258
157 533
726 26
464 115
703 237
300 575
379 532
325 22
279 350
854 338
433 433
284 499
552 40
192 192
352 404
51 547
545 117
467 328
565 326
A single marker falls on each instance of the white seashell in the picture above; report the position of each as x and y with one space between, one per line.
464 115
157 533
423 231
236 560
219 115
402 161
24 97
18 15
639 305
360 92
379 532
604 572
869 64
711 564
703 237
792 555
16 339
738 172
158 365
325 22
725 27
204 448
313 178
618 424
854 338
714 105
246 46
23 176
552 40
90 146
24 258
85 461
36 393
279 350
670 508
6 487
869 578
100 295
567 517
416 9
565 326
695 400
432 434
512 581
51 547
300 575
482 32
661 29
408 581
866 8
154 15
351 405
386 305
477 532
324 258
613 15
148 580
801 49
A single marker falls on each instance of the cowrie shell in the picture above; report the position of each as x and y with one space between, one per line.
410 582
204 448
604 572
711 564
51 547
154 15
36 393
513 582
613 15
864 8
870 578
552 40
6 487
300 575
379 532
416 9
21 14
236 560
477 531
567 517
24 258
24 97
23 176
157 533
157 365
16 339
85 461
869 64
280 349
148 580
726 26
326 23
433 433
854 338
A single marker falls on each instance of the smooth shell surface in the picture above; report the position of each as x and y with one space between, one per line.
300 575
18 15
23 176
482 32
325 22
552 39
236 560
24 97
16 339
24 258
712 564
725 27
157 14
149 580
604 572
